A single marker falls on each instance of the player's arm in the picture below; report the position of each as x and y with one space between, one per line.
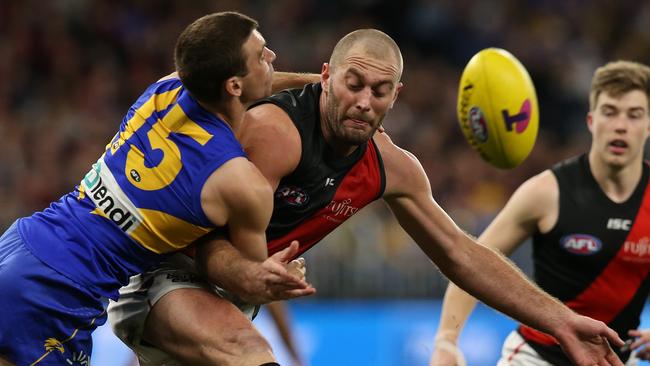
532 204
243 267
287 80
481 270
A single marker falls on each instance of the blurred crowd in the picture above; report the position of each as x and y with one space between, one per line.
69 69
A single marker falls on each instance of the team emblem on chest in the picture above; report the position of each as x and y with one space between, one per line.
293 196
581 244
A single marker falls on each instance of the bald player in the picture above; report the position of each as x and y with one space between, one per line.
318 148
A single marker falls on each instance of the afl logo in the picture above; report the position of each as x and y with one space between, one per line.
478 125
293 196
581 244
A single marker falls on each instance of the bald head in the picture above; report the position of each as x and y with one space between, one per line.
372 43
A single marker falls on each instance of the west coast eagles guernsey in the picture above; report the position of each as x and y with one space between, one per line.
325 189
596 259
141 199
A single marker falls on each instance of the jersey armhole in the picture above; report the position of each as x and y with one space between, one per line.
204 174
382 172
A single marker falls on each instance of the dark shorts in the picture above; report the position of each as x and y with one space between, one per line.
45 318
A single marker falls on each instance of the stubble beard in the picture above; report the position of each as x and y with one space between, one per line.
338 131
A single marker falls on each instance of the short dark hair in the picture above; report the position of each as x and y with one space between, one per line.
209 51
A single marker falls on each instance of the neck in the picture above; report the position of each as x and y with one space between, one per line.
339 147
231 111
617 182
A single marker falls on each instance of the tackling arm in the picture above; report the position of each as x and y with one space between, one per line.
243 267
286 80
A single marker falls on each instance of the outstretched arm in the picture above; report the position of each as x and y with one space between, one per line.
482 271
534 205
287 80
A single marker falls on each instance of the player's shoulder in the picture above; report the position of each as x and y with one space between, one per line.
544 181
393 156
539 189
404 173
270 117
270 123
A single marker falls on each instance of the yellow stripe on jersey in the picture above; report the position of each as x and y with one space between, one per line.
99 212
157 102
177 121
82 192
162 233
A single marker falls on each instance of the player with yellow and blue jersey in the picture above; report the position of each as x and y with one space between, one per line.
172 173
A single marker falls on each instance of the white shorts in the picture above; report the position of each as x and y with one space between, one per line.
516 352
128 315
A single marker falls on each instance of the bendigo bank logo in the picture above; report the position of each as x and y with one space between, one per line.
581 244
293 196
520 120
106 201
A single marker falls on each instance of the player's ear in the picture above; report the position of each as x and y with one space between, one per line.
399 87
590 121
233 86
325 77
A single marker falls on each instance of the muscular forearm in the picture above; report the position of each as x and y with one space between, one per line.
286 80
499 284
222 264
254 282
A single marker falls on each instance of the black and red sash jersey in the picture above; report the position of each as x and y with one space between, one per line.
325 189
596 259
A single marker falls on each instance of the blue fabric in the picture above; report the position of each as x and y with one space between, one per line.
45 319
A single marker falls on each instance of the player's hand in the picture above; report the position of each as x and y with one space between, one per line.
278 279
640 343
586 342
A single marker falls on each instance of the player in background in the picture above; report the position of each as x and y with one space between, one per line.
318 148
589 220
171 174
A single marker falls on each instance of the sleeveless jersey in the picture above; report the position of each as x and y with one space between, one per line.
596 259
325 189
141 198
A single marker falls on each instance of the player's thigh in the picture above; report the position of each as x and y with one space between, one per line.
187 319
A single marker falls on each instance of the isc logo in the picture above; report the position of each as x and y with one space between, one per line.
619 224
581 244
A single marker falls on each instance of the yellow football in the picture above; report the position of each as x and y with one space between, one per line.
497 108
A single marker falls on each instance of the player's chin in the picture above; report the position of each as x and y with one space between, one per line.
358 136
619 160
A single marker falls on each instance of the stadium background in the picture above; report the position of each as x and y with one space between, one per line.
69 69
